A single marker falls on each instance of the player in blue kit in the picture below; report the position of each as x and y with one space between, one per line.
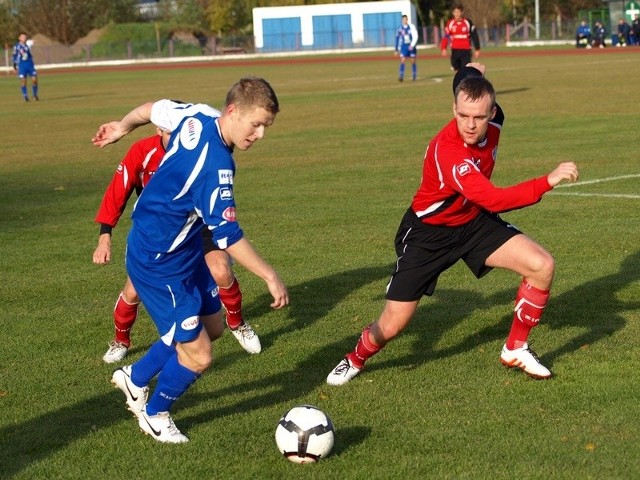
406 41
23 64
194 185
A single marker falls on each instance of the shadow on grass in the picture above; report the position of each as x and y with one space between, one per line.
443 312
312 300
34 440
592 306
512 90
439 314
311 369
348 438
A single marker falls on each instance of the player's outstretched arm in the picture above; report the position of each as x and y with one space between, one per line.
565 171
243 252
113 131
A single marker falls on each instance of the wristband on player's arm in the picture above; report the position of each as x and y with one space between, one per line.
104 228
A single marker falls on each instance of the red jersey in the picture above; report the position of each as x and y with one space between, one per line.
455 183
133 172
460 33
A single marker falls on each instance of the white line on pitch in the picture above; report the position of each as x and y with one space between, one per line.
598 180
607 195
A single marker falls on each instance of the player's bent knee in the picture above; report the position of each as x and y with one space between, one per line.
223 277
197 361
130 295
547 265
541 266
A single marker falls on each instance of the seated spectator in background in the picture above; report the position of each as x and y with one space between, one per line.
635 31
623 33
583 35
599 34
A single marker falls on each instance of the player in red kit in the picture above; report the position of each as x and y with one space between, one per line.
133 173
453 217
460 32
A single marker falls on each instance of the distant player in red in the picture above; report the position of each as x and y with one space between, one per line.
460 32
133 173
453 217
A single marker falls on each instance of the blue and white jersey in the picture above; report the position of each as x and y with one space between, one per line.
406 36
22 55
194 185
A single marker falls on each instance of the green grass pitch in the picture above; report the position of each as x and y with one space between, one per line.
321 197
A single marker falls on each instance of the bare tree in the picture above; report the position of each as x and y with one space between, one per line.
8 26
67 20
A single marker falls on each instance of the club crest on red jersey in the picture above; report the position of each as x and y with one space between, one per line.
463 169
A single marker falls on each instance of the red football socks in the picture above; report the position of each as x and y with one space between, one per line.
529 305
364 350
231 298
124 316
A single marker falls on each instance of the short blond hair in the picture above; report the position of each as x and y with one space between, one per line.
253 92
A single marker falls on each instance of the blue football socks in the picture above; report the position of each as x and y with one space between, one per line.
151 363
173 381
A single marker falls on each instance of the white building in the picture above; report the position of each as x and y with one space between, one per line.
329 26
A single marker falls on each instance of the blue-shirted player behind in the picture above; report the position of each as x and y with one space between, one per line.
406 41
23 64
194 185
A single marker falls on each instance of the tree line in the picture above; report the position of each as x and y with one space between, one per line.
66 21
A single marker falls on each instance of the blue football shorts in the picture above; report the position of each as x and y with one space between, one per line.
405 52
175 304
26 70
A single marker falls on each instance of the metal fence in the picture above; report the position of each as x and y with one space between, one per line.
525 33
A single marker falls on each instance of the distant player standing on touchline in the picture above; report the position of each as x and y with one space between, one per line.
453 217
460 32
23 64
406 41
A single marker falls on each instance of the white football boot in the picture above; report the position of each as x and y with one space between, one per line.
525 359
247 338
117 351
343 372
161 427
136 396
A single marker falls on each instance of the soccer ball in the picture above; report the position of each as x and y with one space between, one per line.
305 434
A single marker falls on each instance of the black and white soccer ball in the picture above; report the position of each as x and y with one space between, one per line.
305 434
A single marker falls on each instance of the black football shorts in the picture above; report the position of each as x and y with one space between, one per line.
459 58
425 251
